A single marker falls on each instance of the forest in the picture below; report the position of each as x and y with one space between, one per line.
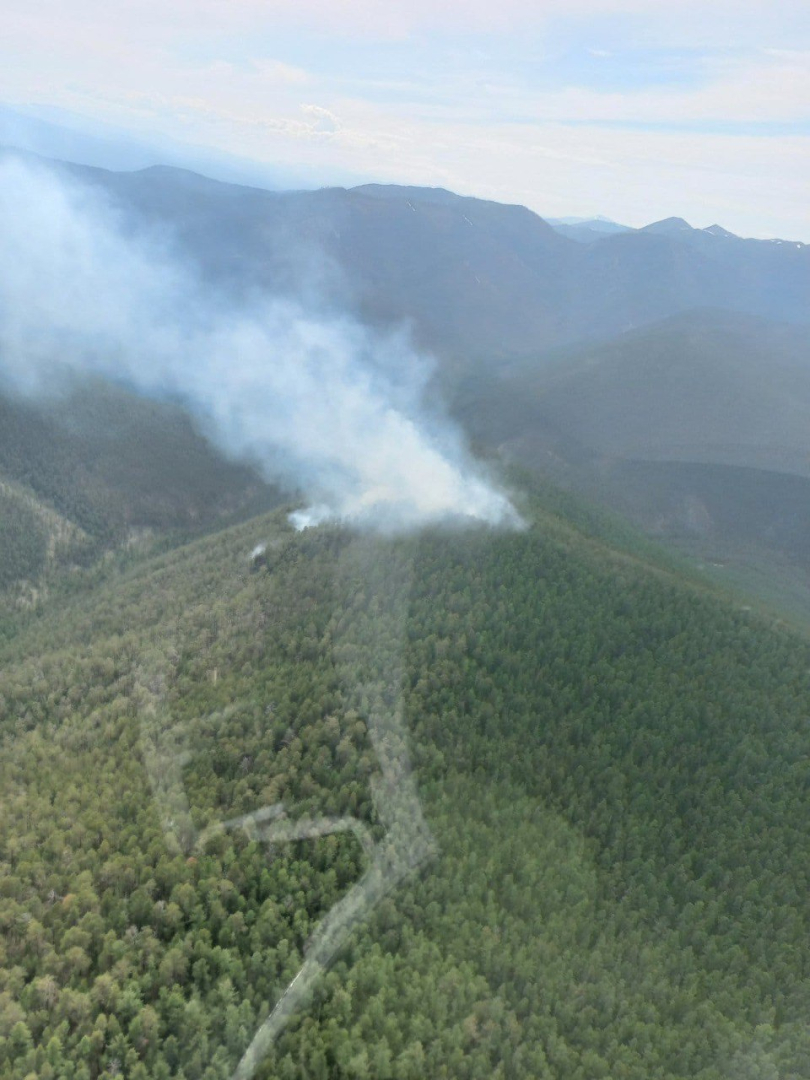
611 761
96 462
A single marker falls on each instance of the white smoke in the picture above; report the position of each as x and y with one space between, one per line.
319 402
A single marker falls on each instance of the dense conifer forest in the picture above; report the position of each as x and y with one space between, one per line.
613 766
96 464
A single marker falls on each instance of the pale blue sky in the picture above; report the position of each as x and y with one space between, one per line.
637 109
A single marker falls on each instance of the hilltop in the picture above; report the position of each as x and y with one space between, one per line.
610 761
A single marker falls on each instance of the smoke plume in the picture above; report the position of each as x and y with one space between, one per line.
320 403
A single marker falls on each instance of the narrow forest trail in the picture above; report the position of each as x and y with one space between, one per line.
407 846
372 591
371 641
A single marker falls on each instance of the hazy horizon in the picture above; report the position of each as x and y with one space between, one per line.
103 146
611 107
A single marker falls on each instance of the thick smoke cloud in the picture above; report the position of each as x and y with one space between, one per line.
320 403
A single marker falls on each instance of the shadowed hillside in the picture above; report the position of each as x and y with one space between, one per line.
697 427
99 467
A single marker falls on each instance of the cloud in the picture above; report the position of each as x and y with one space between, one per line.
90 25
276 72
771 87
399 19
322 120
318 401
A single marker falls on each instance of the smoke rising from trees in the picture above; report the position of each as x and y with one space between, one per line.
322 404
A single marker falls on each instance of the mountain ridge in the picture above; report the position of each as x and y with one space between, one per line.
474 279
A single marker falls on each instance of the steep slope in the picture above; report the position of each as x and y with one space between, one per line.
612 767
86 471
697 426
706 387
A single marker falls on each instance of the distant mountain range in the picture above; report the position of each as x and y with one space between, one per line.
586 230
59 134
477 280
620 360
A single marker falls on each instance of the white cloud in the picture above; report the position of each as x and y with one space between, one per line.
153 24
773 87
752 185
322 120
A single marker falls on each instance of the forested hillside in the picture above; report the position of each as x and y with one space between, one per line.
612 764
696 428
708 387
96 467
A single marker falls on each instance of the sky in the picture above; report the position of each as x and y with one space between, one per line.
634 109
